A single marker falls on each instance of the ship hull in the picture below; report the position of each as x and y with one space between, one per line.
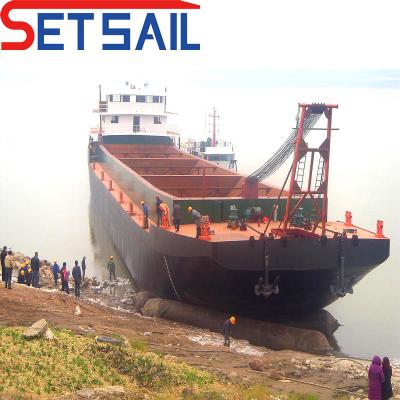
223 274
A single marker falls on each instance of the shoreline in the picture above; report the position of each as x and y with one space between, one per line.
280 371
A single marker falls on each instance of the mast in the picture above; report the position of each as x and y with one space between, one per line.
214 117
99 109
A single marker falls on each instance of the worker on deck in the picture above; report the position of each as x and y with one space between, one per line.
227 330
55 269
111 268
158 210
145 215
3 256
77 275
197 220
8 267
177 215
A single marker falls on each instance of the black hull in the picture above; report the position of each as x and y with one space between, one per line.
222 275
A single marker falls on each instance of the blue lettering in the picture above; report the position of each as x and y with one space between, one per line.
81 18
184 35
150 21
174 31
42 31
126 33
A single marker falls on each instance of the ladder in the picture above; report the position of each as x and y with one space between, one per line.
320 173
300 172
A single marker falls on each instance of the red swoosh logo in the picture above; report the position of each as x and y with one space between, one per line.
77 5
98 4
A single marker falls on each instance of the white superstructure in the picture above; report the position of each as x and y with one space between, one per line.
215 150
142 110
135 110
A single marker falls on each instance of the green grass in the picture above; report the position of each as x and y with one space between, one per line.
74 362
138 345
41 368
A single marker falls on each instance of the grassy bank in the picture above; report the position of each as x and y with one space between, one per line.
44 369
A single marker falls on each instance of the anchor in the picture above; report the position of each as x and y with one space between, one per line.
264 287
342 286
267 289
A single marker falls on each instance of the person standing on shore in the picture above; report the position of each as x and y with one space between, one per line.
56 270
375 379
8 267
387 391
76 274
111 268
64 278
158 210
83 267
35 265
3 256
227 330
145 215
177 215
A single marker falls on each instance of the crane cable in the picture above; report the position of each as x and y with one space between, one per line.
286 149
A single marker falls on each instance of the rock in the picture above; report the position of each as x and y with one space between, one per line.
297 374
147 334
110 340
187 393
48 334
112 390
256 364
77 311
274 374
86 393
85 284
36 330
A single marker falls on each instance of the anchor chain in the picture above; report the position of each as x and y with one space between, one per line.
170 279
264 287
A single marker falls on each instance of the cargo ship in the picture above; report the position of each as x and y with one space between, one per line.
262 251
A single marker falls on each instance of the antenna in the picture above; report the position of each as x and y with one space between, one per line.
214 117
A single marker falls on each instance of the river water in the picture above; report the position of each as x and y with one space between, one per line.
45 196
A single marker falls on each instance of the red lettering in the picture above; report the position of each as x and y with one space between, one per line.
16 25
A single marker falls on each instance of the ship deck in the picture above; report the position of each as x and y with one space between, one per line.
181 174
220 230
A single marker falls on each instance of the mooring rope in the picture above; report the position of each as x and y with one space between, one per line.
170 279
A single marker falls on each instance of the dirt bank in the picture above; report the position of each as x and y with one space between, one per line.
23 305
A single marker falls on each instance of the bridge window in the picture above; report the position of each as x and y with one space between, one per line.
115 97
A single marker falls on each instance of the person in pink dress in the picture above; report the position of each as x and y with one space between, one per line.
375 379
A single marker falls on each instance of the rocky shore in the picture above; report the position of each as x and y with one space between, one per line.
114 308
